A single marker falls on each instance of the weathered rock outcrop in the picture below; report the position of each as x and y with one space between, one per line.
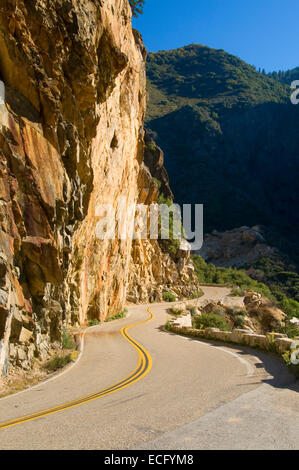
154 160
251 312
263 312
236 247
71 139
152 270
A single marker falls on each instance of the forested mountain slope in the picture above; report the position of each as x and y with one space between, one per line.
230 137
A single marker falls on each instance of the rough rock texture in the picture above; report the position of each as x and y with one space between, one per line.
235 247
263 312
154 160
252 313
71 138
153 271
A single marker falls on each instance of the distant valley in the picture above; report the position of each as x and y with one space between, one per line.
230 137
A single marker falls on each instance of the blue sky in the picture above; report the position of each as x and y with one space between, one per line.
264 33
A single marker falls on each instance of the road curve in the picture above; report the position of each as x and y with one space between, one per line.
143 367
188 380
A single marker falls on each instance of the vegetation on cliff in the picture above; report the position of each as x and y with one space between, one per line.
279 276
199 75
137 6
242 282
287 76
211 320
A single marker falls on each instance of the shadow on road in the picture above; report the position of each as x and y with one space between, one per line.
279 374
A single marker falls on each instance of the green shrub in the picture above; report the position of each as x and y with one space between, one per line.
239 321
237 311
192 311
197 294
137 7
237 292
271 342
118 315
57 362
289 329
176 311
287 357
158 182
218 310
294 368
168 296
171 244
67 342
93 322
289 306
211 320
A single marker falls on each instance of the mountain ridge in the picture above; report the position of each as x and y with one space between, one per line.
229 137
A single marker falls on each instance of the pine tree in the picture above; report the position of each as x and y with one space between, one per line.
137 7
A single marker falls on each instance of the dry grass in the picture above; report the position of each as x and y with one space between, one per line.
19 380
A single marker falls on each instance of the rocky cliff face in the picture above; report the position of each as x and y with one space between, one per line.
71 138
237 247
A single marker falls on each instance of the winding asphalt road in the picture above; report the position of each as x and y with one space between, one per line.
138 386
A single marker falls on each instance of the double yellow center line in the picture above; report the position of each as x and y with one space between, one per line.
143 367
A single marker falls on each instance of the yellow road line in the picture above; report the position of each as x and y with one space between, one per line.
143 367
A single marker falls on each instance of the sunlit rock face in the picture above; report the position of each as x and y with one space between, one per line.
71 139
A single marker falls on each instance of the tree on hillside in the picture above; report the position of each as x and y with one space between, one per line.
137 7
